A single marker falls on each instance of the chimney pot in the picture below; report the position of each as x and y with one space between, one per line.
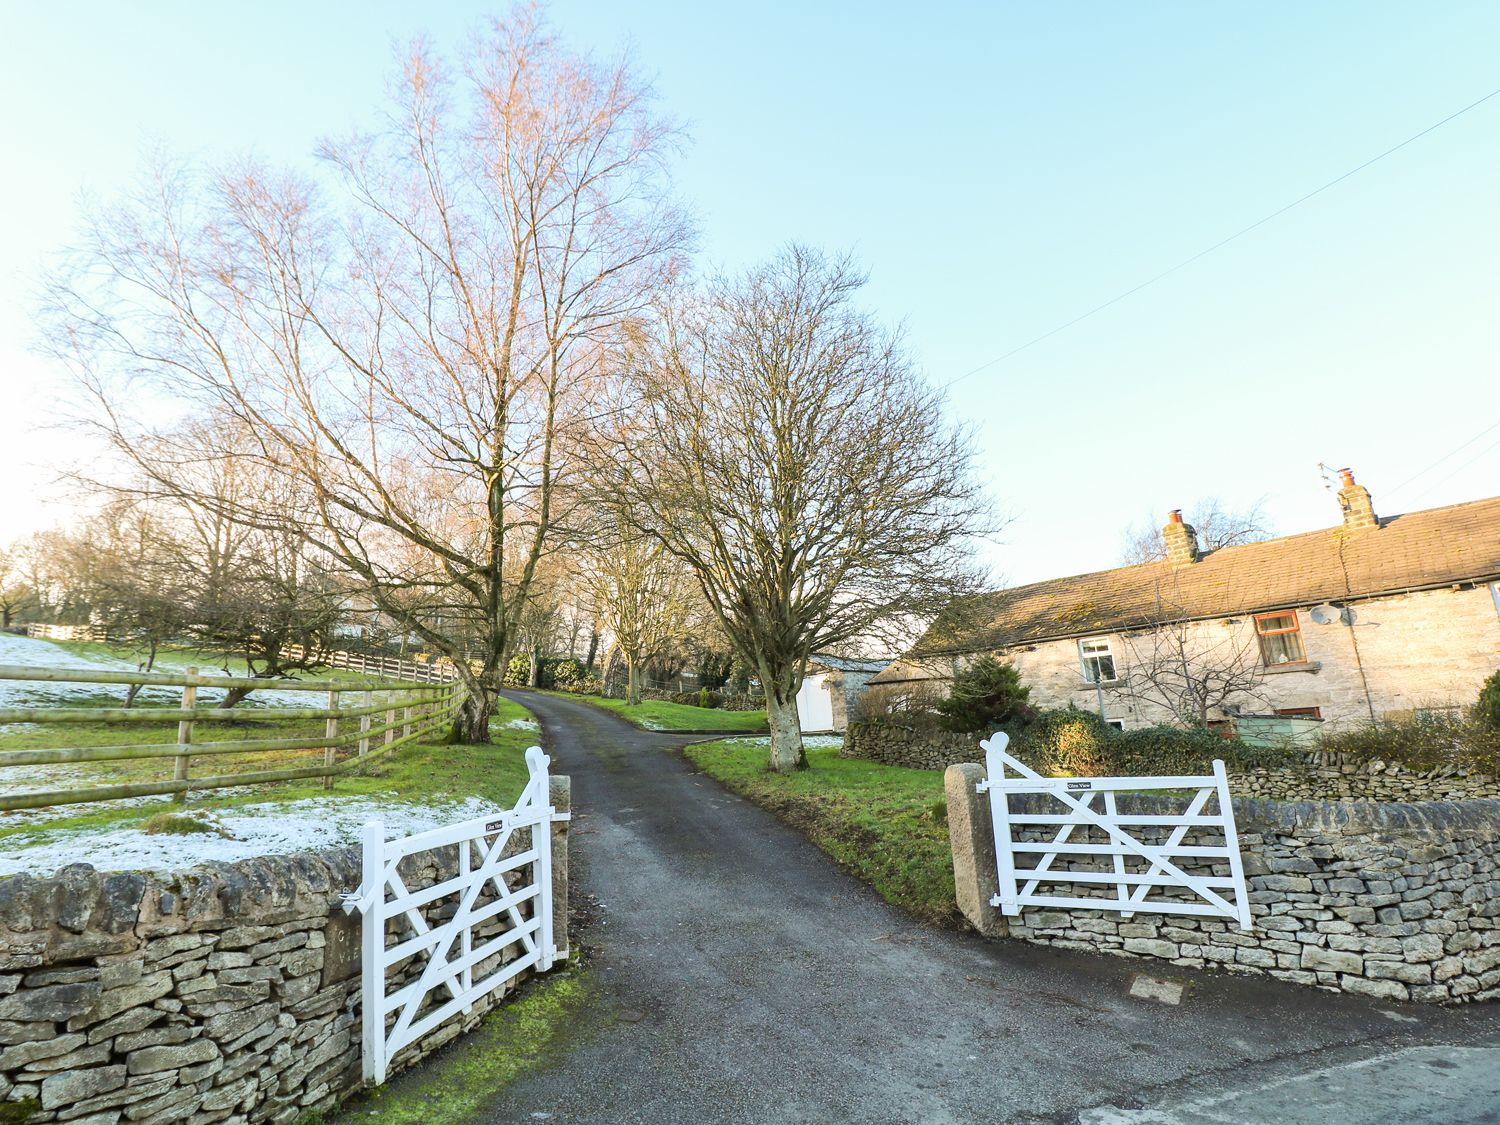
1347 476
1176 516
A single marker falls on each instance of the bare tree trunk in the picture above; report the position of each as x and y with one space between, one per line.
633 684
134 689
235 695
472 723
787 753
588 664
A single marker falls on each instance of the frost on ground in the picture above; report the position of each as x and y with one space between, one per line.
272 828
810 741
26 779
523 724
33 653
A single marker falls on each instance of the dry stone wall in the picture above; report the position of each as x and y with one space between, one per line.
230 992
894 744
1327 776
1398 901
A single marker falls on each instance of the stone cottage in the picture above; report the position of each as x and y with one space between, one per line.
1370 620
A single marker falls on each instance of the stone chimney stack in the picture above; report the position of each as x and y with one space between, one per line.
1359 512
1181 540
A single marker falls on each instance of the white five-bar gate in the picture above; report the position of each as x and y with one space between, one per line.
1123 860
469 955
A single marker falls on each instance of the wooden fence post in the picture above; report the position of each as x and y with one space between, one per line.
389 715
185 735
331 731
364 726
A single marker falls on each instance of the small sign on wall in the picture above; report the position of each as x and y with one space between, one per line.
341 954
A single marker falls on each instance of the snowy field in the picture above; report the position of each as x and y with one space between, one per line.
252 830
268 828
34 653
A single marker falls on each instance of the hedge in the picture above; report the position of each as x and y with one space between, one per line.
1077 743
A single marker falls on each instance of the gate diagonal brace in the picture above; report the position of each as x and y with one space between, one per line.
1161 872
383 896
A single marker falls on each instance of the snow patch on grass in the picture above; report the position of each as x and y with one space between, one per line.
810 741
272 828
35 653
522 724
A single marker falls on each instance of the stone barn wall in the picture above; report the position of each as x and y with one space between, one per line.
230 992
1399 901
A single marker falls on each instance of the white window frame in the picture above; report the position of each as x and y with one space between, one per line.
1495 593
1084 658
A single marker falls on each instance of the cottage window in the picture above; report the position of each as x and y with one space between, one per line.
1280 639
1495 593
1098 661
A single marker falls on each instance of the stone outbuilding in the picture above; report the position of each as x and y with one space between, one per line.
1371 620
829 690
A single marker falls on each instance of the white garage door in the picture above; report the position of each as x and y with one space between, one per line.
815 706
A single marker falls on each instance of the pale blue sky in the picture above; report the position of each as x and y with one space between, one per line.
998 168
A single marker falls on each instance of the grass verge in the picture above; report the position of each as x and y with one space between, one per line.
660 715
455 1084
886 824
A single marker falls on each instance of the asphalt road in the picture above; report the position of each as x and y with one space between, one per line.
741 976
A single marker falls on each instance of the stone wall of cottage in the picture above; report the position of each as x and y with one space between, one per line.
1397 901
1424 649
229 993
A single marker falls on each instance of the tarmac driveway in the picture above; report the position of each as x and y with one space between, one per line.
741 976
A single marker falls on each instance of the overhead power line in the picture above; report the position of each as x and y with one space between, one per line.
1431 485
1221 243
1454 452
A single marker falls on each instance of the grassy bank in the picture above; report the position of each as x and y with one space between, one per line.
418 772
657 714
455 1084
885 824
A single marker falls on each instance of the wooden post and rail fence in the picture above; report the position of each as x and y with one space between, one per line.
435 671
395 711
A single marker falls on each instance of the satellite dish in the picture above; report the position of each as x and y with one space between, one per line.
1327 614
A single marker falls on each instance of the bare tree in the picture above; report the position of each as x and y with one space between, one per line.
118 569
420 351
1216 526
256 592
16 594
786 449
643 596
1190 668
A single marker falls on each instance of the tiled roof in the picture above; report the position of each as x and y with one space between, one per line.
1437 547
846 663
